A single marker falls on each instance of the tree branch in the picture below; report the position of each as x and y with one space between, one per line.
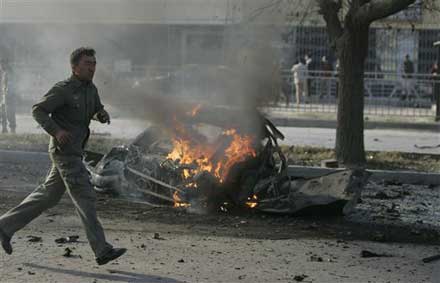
378 9
260 10
329 9
431 6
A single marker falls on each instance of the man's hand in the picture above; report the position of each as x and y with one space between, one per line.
63 137
103 116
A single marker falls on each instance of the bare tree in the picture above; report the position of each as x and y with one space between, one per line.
348 23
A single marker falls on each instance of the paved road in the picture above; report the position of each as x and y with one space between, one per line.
380 140
377 140
120 128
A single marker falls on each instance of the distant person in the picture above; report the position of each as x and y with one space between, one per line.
435 75
310 66
309 61
65 113
7 99
408 66
408 72
326 73
299 71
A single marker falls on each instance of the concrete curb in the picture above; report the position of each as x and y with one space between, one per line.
369 125
405 177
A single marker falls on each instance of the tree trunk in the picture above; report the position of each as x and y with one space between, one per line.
352 51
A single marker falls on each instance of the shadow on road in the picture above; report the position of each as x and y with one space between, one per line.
117 275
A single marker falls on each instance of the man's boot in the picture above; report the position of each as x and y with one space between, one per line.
6 242
110 255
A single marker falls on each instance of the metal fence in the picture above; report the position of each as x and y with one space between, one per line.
385 93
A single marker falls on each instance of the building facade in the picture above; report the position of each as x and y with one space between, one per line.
138 36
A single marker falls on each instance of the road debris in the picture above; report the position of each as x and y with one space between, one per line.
300 278
158 237
431 258
68 239
67 252
368 254
316 258
34 239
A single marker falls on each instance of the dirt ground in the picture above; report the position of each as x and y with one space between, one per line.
169 245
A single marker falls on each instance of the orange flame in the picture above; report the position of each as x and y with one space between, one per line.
202 155
178 202
216 158
195 110
252 202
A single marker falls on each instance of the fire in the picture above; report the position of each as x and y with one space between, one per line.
198 155
178 202
195 110
239 150
252 202
206 157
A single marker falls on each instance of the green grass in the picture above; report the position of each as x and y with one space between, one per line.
296 155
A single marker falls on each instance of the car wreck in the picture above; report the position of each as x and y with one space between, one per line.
216 159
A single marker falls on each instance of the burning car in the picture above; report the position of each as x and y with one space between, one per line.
212 158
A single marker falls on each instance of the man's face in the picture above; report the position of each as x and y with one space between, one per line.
85 69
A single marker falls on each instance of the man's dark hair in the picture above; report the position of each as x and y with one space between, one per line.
77 54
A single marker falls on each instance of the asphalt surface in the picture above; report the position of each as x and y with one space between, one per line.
375 140
169 245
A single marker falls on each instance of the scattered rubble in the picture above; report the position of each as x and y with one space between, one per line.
67 252
300 278
431 258
391 203
316 258
34 239
157 236
68 239
367 254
